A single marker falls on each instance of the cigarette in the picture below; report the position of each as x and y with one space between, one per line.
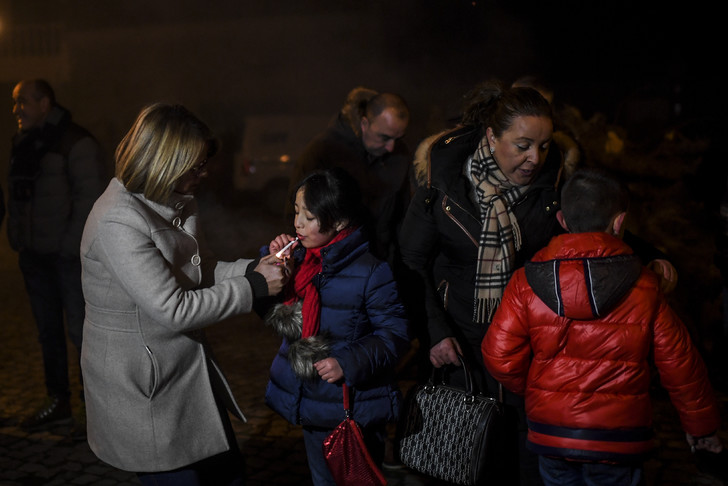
282 250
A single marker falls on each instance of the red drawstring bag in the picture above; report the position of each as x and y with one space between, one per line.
347 455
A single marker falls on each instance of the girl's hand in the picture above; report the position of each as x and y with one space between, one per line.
279 242
329 370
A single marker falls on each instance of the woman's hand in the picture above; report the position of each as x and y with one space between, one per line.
445 352
279 242
329 370
276 273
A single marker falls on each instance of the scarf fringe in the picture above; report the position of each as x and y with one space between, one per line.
517 238
485 310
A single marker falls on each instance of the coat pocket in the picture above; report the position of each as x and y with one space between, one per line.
153 374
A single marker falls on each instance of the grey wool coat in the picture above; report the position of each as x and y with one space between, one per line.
150 381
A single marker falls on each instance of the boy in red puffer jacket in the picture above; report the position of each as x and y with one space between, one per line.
576 332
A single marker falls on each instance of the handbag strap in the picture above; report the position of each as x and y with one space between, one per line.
469 386
347 408
466 370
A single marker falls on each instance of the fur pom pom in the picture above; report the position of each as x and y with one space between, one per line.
286 320
302 354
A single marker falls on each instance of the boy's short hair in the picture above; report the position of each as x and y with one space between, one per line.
591 198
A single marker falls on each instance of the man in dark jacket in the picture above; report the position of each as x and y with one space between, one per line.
56 174
365 139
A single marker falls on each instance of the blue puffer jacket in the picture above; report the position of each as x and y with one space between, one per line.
364 320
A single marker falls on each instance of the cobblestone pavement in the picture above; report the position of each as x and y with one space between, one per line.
273 448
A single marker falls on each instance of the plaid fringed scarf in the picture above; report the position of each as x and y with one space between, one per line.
500 237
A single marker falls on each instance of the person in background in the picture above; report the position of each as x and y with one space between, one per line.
578 331
486 201
366 140
157 401
57 170
341 320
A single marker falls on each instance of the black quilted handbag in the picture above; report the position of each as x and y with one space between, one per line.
449 433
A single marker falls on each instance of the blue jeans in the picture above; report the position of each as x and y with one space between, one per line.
53 284
560 472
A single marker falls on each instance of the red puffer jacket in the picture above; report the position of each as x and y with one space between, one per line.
576 332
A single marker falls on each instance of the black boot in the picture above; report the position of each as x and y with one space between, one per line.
54 411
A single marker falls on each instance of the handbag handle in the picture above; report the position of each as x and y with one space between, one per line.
468 376
468 379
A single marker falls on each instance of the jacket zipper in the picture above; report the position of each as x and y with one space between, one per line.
446 209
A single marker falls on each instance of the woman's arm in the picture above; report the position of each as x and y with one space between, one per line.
418 242
155 286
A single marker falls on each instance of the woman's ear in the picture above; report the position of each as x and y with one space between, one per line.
341 225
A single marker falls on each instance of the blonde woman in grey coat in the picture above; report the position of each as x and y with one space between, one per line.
155 398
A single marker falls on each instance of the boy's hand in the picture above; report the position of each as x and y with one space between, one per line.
710 443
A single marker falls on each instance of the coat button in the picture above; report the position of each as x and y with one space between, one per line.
177 222
195 260
179 205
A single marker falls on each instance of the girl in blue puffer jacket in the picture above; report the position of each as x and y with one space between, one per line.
341 320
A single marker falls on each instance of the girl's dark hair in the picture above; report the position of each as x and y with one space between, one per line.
332 196
494 104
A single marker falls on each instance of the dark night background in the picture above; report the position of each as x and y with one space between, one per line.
644 75
303 56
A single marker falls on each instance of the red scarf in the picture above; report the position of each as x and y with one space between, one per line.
304 288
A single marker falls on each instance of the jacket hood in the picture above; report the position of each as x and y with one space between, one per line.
462 139
583 276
